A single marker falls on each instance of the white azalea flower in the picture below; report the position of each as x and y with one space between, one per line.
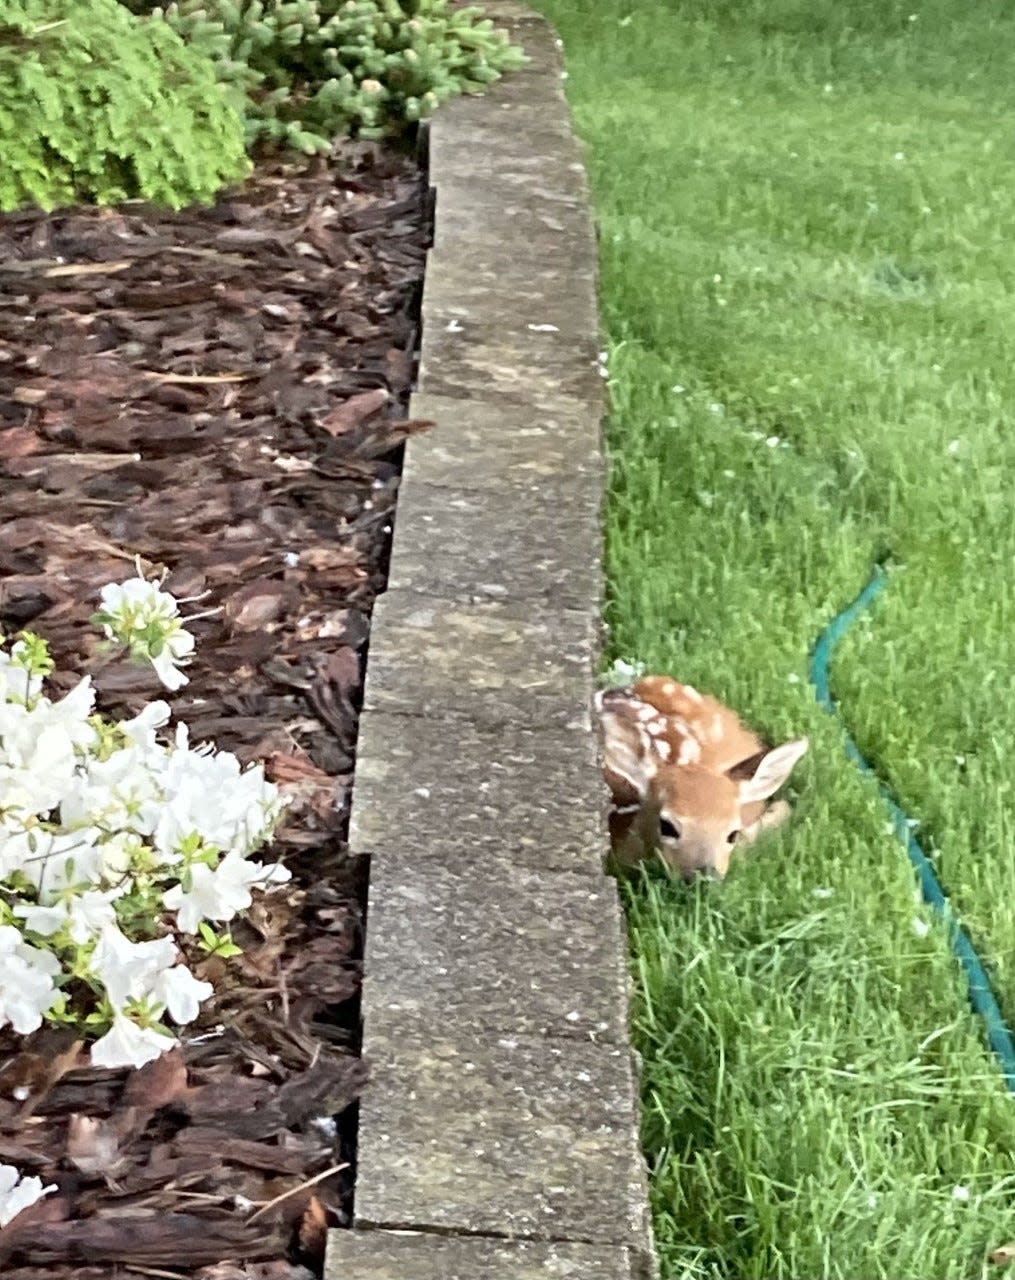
45 921
147 971
122 793
15 681
130 970
55 863
181 993
219 893
94 810
119 853
35 774
208 794
18 1192
126 1044
27 990
141 729
140 615
87 914
38 748
176 650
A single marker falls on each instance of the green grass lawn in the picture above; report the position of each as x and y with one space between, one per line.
808 252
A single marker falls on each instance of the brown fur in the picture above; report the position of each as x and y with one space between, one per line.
687 777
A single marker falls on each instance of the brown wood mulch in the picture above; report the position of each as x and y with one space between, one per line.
220 392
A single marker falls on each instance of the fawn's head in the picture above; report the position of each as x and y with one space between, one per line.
693 811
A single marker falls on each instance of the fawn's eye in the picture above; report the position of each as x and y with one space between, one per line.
732 837
668 830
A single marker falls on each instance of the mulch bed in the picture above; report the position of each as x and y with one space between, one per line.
220 392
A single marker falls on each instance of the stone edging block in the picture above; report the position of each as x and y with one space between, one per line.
381 1255
498 1138
508 1135
544 954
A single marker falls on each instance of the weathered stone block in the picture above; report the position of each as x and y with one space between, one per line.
489 662
538 104
520 131
534 274
413 1255
494 949
465 363
509 1136
547 316
548 229
478 445
483 159
472 796
544 324
509 195
521 545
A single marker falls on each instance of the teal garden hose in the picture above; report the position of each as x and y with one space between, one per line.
981 994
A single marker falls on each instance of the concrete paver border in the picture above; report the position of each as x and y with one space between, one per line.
498 1139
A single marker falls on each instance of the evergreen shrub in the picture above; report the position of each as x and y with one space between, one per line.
311 70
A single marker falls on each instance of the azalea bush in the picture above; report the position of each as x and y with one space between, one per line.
310 70
119 841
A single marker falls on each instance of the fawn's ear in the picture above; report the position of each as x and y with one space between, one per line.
772 770
629 755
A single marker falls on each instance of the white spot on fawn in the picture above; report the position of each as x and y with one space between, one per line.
692 693
690 752
663 751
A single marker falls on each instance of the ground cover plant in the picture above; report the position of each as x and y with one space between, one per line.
96 105
218 392
805 223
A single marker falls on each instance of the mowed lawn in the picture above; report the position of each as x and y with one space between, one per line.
808 253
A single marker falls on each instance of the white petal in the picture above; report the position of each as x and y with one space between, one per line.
181 993
17 1193
128 1045
168 672
129 970
45 921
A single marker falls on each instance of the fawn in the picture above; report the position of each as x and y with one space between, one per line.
687 778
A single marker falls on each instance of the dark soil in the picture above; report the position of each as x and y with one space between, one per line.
219 392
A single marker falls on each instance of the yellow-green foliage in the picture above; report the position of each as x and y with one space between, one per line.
98 105
314 69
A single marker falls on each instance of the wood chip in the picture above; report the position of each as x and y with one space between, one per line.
153 384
